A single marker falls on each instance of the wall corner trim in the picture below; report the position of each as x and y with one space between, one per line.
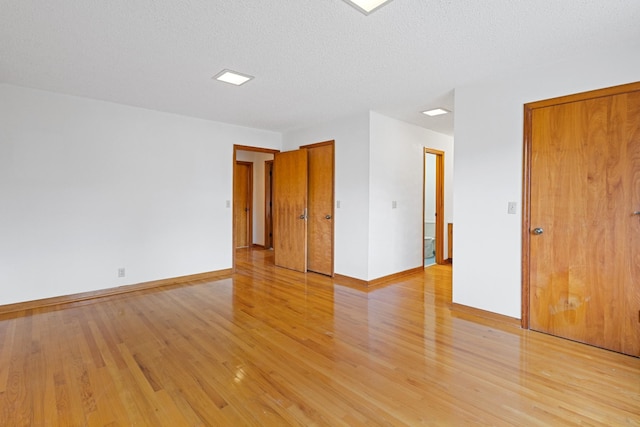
339 279
483 316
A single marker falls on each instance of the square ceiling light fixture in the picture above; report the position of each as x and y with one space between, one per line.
436 112
232 77
367 6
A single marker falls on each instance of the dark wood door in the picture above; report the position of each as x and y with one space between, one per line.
242 203
268 204
290 209
320 227
584 250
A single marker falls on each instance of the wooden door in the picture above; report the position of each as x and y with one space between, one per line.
320 208
289 210
584 246
268 204
242 203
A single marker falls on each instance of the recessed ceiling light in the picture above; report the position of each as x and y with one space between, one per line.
436 112
232 77
367 6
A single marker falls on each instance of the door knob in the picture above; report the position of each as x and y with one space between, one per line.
327 217
538 231
636 213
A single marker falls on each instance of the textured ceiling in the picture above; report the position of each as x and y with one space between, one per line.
313 60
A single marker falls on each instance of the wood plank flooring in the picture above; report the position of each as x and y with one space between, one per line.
272 347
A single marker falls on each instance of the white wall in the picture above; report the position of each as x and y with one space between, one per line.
396 174
351 135
87 187
488 173
258 159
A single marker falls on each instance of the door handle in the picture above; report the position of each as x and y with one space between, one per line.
538 231
327 217
636 213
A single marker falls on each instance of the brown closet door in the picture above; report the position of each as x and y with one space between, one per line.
289 209
320 243
585 226
242 194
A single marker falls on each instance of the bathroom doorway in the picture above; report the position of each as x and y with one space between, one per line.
433 207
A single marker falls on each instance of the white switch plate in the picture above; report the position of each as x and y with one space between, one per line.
228 203
511 208
338 204
394 204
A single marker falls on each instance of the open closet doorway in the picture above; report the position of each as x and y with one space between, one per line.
433 207
251 210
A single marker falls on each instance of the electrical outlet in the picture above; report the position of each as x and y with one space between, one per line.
511 208
121 272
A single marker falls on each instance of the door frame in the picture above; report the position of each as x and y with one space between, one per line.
526 179
236 148
439 202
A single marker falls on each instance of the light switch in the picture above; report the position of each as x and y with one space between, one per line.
394 204
511 208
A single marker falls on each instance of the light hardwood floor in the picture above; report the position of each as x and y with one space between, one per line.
272 347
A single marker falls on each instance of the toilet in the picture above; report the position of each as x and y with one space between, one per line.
429 239
429 247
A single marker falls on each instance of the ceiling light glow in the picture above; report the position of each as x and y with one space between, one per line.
436 112
367 6
232 77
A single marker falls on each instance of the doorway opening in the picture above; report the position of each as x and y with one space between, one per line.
251 215
433 207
